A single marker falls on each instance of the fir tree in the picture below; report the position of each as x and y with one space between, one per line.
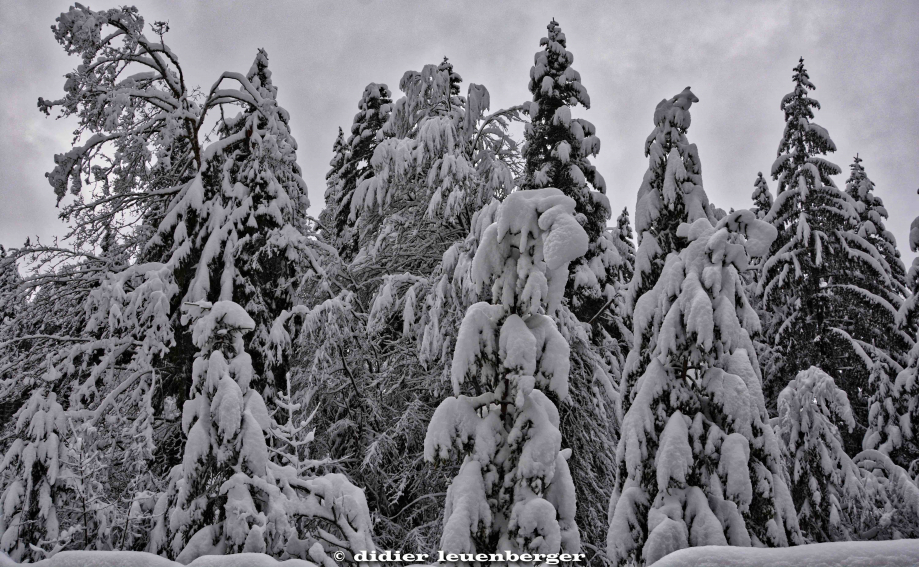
514 490
818 281
220 497
671 193
698 460
557 152
762 198
36 469
905 393
872 216
351 165
825 484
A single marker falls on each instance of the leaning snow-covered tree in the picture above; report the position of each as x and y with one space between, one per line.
699 463
514 491
671 193
187 221
439 159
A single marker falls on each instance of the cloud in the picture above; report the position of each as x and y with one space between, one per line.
737 56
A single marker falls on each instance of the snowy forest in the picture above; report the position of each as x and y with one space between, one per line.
470 350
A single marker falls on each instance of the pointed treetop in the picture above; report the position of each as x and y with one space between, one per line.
623 221
260 76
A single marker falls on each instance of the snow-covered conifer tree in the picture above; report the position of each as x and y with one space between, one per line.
513 491
618 322
9 282
626 247
905 393
227 496
819 280
871 225
221 503
762 198
698 461
36 469
441 159
557 151
351 165
87 504
825 484
671 193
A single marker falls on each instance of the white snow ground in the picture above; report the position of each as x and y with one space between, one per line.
140 559
898 553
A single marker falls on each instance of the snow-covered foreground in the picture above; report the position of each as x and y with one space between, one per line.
899 553
140 559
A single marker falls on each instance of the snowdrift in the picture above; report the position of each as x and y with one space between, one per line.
899 553
141 559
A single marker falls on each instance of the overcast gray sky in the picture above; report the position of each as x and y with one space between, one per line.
737 56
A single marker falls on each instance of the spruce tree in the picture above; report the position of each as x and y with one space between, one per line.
872 216
819 280
905 393
514 491
351 165
35 467
557 150
221 501
762 198
698 461
825 484
671 193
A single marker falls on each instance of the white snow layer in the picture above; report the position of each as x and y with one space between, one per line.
141 559
898 553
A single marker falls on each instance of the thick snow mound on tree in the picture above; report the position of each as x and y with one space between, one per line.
899 553
141 559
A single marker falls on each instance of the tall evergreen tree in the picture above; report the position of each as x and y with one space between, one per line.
904 397
818 277
514 490
671 193
351 165
698 461
762 198
557 150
